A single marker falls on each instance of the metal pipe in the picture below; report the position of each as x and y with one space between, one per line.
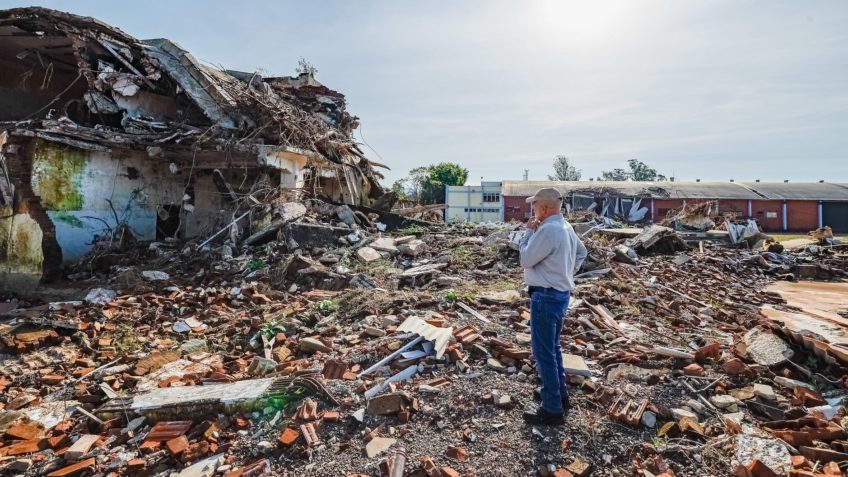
398 463
391 356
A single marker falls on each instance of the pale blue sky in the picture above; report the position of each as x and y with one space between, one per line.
698 89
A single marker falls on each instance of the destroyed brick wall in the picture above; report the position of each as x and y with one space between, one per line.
104 129
802 215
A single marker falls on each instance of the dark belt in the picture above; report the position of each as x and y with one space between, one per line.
531 289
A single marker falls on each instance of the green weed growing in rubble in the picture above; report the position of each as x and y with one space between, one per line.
463 258
452 296
812 362
660 441
413 229
255 264
271 329
327 305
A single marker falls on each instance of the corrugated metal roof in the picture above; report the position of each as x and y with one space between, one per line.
689 190
800 190
665 189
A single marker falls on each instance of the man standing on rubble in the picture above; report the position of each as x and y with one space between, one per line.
551 252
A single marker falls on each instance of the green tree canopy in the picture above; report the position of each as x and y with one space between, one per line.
427 184
564 171
439 176
639 171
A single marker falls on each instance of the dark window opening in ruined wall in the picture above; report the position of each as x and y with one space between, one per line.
167 221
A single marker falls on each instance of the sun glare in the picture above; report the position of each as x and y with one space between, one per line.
568 22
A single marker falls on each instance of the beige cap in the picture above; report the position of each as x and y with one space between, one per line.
545 193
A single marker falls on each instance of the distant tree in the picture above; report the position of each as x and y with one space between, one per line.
639 171
304 66
617 174
564 171
415 181
426 184
399 188
439 176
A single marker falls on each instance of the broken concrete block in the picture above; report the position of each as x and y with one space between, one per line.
681 413
574 365
384 244
766 348
368 254
447 281
311 345
387 404
506 297
374 332
378 445
765 391
155 275
724 402
496 365
100 295
413 248
770 452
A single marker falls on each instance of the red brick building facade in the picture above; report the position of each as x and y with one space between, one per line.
778 207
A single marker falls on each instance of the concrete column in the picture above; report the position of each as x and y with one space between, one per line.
821 216
750 208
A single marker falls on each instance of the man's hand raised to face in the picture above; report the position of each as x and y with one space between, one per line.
533 223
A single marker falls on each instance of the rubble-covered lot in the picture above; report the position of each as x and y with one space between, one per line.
328 347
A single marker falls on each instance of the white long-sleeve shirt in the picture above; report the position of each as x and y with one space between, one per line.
552 254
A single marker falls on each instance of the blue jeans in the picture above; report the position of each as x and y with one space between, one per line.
547 310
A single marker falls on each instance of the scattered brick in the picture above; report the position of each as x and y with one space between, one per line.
23 432
458 453
167 430
288 437
74 469
693 369
177 445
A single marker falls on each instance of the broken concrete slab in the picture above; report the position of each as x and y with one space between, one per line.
413 248
384 244
766 348
771 452
575 365
378 445
368 254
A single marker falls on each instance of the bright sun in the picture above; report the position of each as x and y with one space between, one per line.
568 21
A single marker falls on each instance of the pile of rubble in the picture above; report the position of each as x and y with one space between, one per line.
335 344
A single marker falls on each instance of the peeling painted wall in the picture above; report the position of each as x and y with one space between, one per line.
76 188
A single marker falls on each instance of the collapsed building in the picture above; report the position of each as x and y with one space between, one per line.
101 132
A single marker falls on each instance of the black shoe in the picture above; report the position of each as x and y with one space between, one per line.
566 403
544 418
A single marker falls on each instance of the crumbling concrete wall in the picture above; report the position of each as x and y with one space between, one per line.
88 193
77 196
